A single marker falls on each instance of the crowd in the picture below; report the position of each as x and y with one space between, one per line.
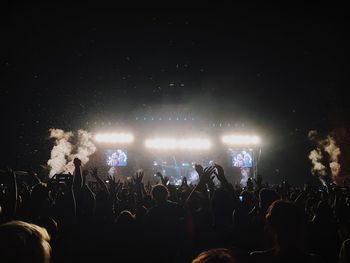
131 221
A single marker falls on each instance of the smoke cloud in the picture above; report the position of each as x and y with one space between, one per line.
67 147
317 167
333 151
328 146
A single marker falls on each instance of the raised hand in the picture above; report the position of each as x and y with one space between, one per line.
206 176
138 177
220 174
199 169
77 162
162 178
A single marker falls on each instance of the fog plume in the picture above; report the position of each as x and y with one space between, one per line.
69 145
325 147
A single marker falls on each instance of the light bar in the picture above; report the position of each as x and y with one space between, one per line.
181 144
241 140
114 137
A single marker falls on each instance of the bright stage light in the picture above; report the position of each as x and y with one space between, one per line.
241 140
181 144
114 137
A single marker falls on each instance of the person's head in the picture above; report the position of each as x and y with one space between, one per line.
287 222
266 198
125 218
247 199
215 255
324 212
160 193
24 242
222 208
39 192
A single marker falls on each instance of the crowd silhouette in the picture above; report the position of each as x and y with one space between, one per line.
133 221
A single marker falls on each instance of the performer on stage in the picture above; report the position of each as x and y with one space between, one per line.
247 159
238 161
113 160
122 158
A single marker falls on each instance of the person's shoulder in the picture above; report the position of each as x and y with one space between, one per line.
262 253
171 203
174 204
261 256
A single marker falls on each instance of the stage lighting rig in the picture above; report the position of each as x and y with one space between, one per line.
241 140
178 144
114 137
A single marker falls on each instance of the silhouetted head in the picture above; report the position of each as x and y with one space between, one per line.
215 255
39 192
267 197
24 242
247 199
125 218
287 222
50 225
160 193
324 212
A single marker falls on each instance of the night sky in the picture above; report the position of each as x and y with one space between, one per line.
280 68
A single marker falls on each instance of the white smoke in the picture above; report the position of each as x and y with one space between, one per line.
64 152
60 151
318 168
329 146
333 151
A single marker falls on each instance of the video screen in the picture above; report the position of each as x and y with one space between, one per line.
242 158
118 157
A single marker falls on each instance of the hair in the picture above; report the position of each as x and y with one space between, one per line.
215 255
125 217
24 242
287 221
160 193
267 197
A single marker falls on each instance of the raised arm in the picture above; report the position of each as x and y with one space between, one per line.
205 176
99 180
77 176
220 174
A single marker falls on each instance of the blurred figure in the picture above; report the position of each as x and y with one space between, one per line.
323 236
286 222
23 242
165 221
344 255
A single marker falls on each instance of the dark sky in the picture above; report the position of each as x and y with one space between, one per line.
282 68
